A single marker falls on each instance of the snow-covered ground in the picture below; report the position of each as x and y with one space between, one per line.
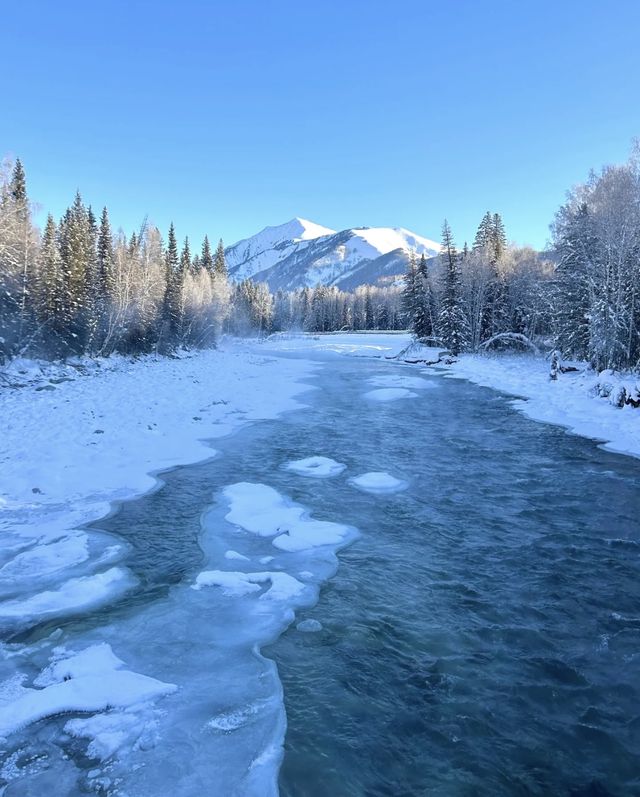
571 401
75 438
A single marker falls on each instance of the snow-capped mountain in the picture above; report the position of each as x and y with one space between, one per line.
301 253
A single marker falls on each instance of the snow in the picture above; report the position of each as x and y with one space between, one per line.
375 241
89 681
97 437
378 482
282 586
71 597
235 555
389 394
259 509
317 467
318 259
261 251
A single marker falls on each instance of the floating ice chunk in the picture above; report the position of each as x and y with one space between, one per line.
309 533
379 482
43 560
74 595
389 394
89 681
262 510
236 555
309 626
231 582
317 467
400 380
283 586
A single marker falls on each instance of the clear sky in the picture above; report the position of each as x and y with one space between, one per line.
228 116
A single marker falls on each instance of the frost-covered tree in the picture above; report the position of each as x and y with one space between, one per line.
452 323
597 235
220 263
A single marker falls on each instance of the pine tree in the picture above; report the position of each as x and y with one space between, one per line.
75 236
498 241
452 322
105 260
172 305
50 287
206 259
424 311
172 252
410 280
484 233
220 264
185 257
18 188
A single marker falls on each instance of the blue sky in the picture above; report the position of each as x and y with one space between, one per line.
228 116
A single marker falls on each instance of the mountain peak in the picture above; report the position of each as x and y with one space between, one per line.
301 252
298 229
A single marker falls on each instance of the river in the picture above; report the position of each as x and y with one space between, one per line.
478 632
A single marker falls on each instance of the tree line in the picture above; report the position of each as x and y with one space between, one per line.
79 287
582 299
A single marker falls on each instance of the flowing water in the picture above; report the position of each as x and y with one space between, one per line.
481 634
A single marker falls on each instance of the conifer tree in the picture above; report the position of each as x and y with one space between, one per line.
484 233
498 240
206 258
105 260
172 252
409 298
424 313
185 257
51 287
220 264
452 322
172 304
76 255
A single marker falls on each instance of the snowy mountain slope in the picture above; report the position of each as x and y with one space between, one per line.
263 250
300 253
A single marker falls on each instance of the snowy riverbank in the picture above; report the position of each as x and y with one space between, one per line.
571 401
75 438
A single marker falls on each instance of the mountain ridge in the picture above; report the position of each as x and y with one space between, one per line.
301 253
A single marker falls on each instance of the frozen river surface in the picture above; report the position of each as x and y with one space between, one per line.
481 634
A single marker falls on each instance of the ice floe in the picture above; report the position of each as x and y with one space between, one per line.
261 510
283 586
74 595
235 555
379 482
89 681
317 467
